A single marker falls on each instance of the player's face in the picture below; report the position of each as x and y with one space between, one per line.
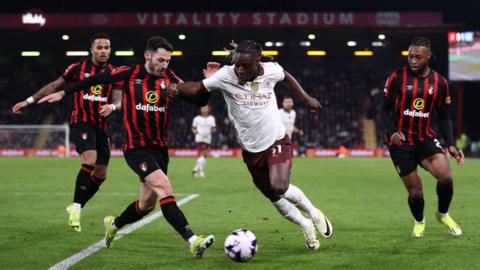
158 61
287 104
246 66
204 110
418 57
100 50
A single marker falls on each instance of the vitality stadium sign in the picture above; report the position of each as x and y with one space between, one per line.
225 19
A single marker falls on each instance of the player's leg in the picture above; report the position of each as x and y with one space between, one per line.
100 170
279 162
84 139
437 164
416 202
203 160
261 180
134 212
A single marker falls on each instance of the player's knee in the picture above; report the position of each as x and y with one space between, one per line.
415 194
100 172
446 182
147 206
280 188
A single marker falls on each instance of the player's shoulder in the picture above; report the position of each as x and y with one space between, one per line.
271 66
441 78
72 66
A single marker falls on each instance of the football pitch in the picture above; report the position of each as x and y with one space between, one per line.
364 199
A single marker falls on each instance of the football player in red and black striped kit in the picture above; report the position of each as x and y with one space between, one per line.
88 120
145 114
413 95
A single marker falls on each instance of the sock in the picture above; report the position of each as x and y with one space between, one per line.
290 212
416 207
445 194
175 217
93 187
83 179
202 161
298 198
191 239
131 214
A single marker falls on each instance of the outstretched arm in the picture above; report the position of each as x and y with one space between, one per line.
193 92
44 91
446 130
311 102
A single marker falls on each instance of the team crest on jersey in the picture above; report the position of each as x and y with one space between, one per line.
96 89
254 86
151 97
448 100
143 166
163 85
409 87
268 83
84 136
419 104
430 90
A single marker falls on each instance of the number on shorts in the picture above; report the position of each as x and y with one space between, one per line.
437 144
277 149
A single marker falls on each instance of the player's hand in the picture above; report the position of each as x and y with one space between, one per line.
172 89
457 154
55 97
313 104
19 106
106 110
212 67
397 137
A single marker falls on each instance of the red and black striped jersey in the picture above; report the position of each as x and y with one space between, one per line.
415 99
145 103
87 102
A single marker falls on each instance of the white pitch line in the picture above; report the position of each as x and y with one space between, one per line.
70 193
101 244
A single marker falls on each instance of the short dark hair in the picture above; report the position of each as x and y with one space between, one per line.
156 42
421 41
99 36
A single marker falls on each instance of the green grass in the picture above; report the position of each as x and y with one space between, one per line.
364 198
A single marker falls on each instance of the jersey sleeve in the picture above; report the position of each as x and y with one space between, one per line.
278 73
444 100
387 105
195 122
71 73
110 76
214 82
214 124
390 89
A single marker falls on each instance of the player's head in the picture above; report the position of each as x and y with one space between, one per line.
205 110
419 53
287 103
100 48
158 52
246 58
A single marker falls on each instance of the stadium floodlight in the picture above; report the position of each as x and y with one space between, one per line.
177 53
311 37
405 53
305 43
30 53
124 53
363 53
268 44
279 44
76 53
381 36
65 37
378 44
316 53
271 52
182 37
220 53
351 43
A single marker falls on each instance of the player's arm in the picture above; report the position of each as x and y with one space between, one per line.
107 109
44 91
311 102
193 92
387 108
112 76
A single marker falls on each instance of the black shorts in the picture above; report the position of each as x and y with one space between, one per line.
87 137
406 157
144 161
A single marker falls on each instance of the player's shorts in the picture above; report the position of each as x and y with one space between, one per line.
143 161
87 137
279 152
406 157
202 146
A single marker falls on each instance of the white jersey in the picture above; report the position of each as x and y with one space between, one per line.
204 127
288 119
252 107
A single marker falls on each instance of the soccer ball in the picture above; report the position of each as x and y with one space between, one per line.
241 245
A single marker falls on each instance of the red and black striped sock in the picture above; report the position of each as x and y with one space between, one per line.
175 217
131 214
93 187
82 183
